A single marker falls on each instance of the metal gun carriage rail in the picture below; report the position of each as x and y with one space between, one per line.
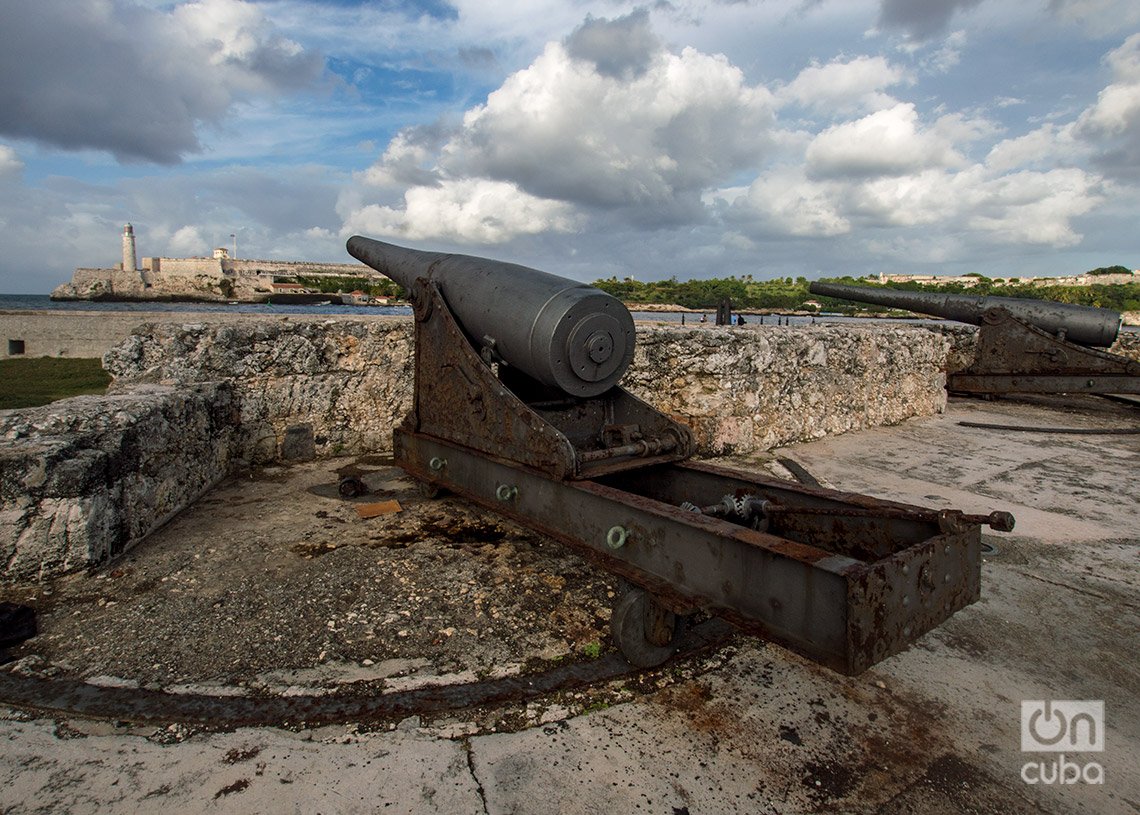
517 408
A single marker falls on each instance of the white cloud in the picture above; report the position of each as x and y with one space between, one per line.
408 160
1111 126
238 31
1034 208
784 201
886 142
1045 144
923 198
138 82
560 129
465 211
10 165
888 173
846 86
187 241
601 123
943 59
1117 107
654 137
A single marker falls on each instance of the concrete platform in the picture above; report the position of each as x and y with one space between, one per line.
273 585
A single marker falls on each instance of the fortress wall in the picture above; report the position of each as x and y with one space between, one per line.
197 278
348 380
75 334
202 280
95 283
742 389
297 268
186 266
86 334
755 388
86 478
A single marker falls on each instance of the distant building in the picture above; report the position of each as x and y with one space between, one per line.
972 280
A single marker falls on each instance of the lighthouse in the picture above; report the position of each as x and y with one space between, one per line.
130 261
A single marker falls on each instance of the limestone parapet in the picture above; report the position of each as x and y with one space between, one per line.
87 478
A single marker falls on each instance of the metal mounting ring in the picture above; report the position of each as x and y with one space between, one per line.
437 463
616 537
505 492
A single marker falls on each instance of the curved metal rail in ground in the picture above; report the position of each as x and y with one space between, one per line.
74 697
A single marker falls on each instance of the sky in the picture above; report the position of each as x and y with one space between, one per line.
588 138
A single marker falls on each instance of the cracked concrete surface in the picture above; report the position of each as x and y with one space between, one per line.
932 730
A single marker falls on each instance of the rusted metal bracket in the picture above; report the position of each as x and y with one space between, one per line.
1016 357
458 396
846 589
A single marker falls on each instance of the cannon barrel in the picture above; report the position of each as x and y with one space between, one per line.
558 331
1083 325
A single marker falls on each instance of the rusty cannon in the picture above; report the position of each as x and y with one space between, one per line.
1024 346
517 407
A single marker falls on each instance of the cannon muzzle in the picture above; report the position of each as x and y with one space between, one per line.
558 331
1083 325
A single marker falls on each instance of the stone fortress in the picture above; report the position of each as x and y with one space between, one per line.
218 278
222 278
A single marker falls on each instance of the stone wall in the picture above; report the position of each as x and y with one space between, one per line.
741 389
82 334
84 479
758 387
296 267
348 380
1127 345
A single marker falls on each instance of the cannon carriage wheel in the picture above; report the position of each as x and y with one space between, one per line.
644 631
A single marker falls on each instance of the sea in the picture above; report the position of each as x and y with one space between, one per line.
41 302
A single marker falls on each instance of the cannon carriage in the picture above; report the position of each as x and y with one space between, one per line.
518 407
1024 346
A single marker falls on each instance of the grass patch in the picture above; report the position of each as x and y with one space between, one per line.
33 381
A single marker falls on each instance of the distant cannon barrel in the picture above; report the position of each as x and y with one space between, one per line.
558 331
1083 325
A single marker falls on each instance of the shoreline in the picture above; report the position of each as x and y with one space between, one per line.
1129 319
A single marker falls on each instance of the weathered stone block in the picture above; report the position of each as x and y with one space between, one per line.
758 387
86 478
350 379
